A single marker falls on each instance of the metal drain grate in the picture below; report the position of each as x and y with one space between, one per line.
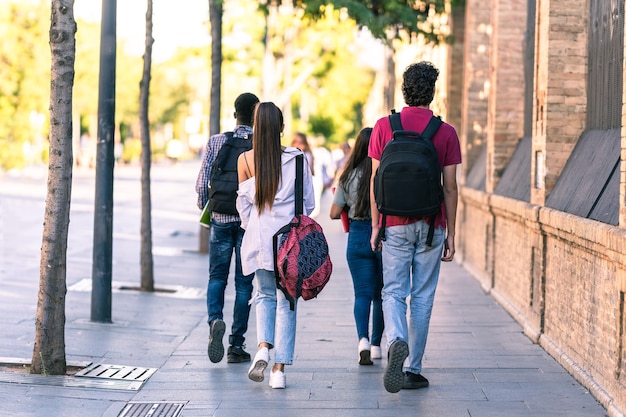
127 373
152 409
68 381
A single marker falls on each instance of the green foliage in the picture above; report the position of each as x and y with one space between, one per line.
322 125
132 150
11 154
128 75
341 82
176 83
328 101
383 17
86 66
24 89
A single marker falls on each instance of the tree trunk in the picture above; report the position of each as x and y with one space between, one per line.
216 11
215 15
147 264
270 71
390 79
49 347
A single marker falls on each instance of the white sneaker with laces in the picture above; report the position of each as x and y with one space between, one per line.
261 359
278 380
364 352
376 352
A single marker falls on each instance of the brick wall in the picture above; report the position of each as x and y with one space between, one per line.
561 95
563 278
455 67
622 210
505 124
473 127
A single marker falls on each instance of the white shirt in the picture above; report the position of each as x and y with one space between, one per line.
256 247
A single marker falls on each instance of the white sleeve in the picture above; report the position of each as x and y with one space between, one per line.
244 206
308 191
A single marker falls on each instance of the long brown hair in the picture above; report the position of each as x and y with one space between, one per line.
267 128
359 161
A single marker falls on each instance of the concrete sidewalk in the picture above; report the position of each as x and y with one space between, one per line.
478 361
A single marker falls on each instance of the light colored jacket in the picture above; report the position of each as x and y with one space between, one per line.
256 247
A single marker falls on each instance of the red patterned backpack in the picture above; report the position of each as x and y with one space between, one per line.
302 263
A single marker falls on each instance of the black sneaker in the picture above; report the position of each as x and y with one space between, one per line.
394 378
414 381
236 354
216 333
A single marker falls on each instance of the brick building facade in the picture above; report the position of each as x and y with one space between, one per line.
542 204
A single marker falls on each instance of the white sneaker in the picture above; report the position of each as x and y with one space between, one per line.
278 380
376 352
261 359
364 352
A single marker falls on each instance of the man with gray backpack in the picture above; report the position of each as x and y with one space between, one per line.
413 200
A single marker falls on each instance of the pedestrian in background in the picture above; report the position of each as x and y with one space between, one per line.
324 171
266 203
353 194
410 266
225 235
301 142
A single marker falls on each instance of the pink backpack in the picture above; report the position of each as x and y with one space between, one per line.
302 263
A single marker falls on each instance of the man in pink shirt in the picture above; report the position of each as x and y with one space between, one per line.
410 266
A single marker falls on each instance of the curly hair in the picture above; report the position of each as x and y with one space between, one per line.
418 85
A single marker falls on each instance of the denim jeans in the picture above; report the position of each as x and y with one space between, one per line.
275 322
405 253
367 280
224 239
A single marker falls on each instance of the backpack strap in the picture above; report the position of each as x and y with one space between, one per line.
431 128
394 121
431 230
222 154
381 232
285 229
429 131
299 195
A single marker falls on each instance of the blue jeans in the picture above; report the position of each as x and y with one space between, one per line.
275 322
367 280
405 253
223 239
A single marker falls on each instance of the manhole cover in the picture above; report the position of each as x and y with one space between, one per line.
152 409
129 373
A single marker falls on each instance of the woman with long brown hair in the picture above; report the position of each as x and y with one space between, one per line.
353 195
266 203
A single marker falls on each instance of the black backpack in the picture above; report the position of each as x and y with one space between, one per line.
408 180
224 182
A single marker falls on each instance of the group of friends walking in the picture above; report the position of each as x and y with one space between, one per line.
389 276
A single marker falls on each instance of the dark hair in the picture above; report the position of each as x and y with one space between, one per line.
359 161
305 142
244 108
418 85
268 126
305 147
